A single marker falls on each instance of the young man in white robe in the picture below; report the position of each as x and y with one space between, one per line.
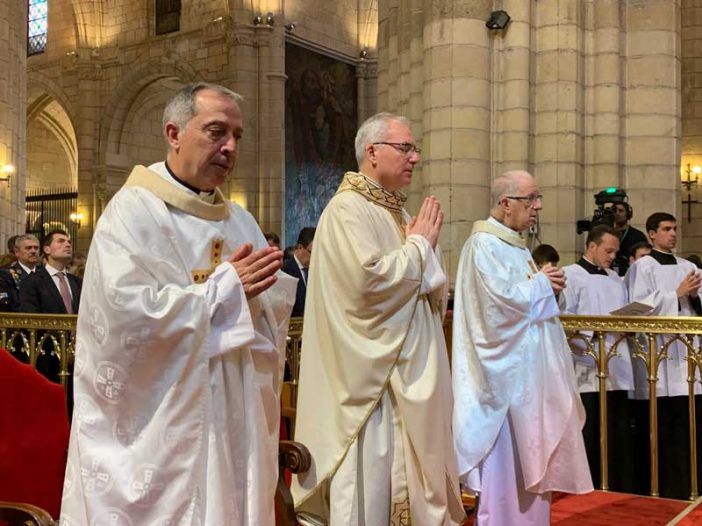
517 415
179 342
374 406
672 285
595 289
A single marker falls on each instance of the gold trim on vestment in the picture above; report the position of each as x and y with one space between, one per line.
510 236
393 202
142 177
364 420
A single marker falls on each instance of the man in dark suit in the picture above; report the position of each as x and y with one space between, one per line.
51 290
298 265
26 250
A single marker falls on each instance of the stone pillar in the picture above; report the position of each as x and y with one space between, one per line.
13 116
652 107
558 141
434 68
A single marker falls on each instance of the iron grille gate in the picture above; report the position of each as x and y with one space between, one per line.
51 210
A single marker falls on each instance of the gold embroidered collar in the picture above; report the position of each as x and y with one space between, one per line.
393 201
504 233
177 198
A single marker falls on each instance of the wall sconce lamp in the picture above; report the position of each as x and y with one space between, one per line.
363 54
689 183
291 26
498 20
7 171
76 217
267 20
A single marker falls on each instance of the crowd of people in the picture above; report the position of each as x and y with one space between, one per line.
181 344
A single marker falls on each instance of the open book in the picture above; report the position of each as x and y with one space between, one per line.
635 308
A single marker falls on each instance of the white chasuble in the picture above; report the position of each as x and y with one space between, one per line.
653 283
374 367
177 375
510 355
597 294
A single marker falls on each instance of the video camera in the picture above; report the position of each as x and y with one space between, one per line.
604 214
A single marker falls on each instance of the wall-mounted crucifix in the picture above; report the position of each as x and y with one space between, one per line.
689 183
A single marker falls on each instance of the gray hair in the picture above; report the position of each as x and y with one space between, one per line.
374 129
24 237
506 184
181 108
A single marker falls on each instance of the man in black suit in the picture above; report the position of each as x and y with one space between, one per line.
26 250
298 265
51 290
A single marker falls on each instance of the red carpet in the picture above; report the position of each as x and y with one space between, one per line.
601 508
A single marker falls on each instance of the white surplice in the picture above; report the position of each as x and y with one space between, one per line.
597 294
656 284
511 357
177 375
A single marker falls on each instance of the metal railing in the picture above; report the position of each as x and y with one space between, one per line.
33 335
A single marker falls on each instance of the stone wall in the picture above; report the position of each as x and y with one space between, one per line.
13 115
112 76
582 93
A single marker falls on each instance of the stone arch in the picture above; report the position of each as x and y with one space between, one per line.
52 147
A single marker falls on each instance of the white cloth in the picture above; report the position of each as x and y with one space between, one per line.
656 284
503 499
176 383
510 354
596 294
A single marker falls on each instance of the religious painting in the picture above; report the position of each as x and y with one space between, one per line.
320 126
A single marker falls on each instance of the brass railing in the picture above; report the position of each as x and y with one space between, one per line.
650 338
30 335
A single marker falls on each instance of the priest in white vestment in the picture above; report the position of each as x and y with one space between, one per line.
374 406
179 342
517 415
595 289
671 284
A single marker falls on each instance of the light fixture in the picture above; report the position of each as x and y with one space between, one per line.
270 21
291 26
689 183
258 20
363 54
498 20
7 171
76 217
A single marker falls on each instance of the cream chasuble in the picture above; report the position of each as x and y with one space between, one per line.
374 355
177 374
511 356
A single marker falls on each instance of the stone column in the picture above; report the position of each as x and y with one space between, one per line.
434 68
652 107
558 107
13 116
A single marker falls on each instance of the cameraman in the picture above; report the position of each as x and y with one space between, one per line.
628 236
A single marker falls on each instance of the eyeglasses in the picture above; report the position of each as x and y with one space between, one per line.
529 200
404 147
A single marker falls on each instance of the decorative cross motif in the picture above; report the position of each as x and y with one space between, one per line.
200 275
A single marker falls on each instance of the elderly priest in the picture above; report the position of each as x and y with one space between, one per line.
517 415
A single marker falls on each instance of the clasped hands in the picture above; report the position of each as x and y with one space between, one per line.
556 276
690 285
427 223
256 268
